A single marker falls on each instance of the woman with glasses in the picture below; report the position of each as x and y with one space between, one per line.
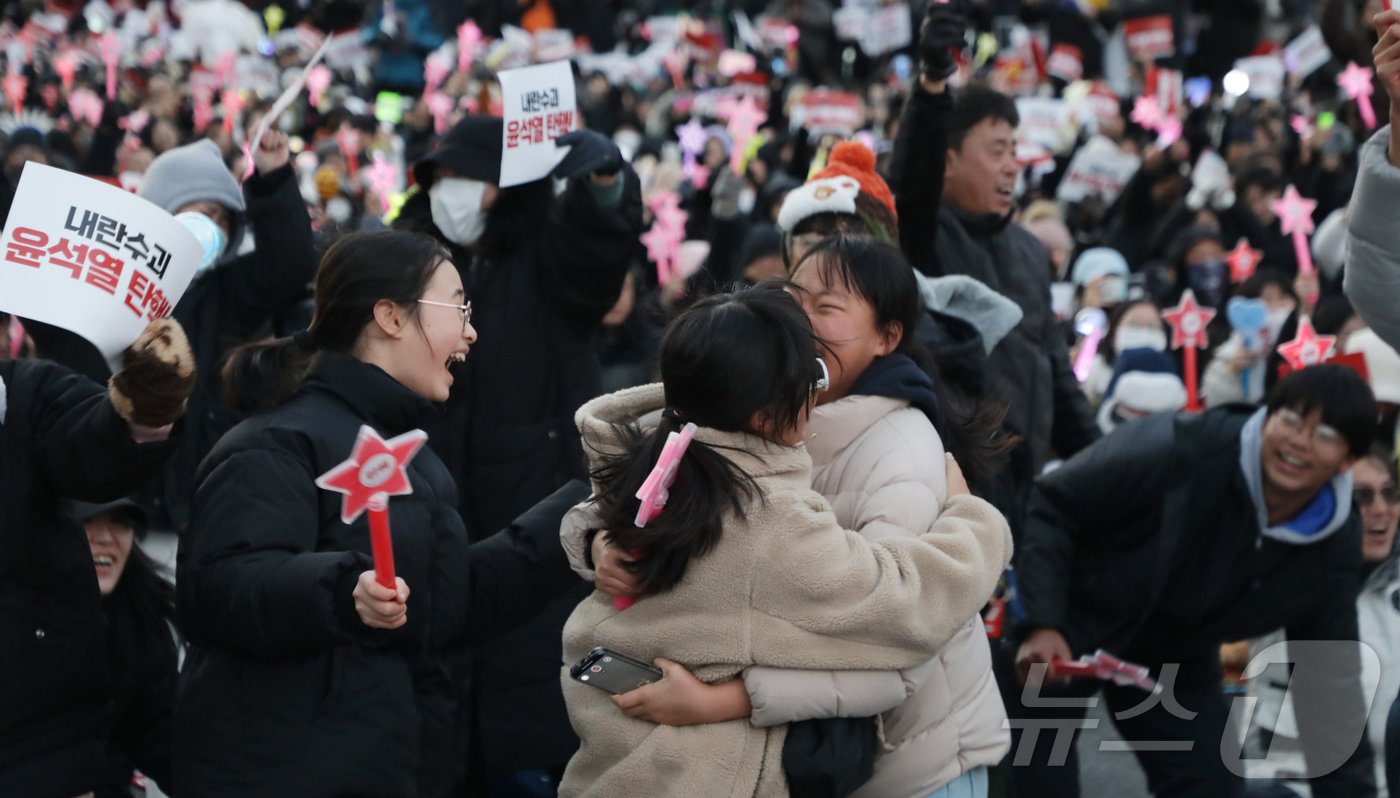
305 677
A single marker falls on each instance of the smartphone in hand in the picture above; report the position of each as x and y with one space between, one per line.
613 672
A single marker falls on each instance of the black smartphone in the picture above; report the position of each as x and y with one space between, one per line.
613 672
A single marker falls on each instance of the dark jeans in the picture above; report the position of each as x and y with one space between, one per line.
1181 757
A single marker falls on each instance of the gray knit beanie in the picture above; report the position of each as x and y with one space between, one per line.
191 173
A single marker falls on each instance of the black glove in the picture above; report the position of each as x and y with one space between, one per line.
589 153
943 32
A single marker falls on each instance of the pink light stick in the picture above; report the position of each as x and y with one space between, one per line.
111 56
1355 81
1295 218
468 36
317 81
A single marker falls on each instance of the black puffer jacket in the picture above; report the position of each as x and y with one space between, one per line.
548 270
58 433
230 304
285 691
1148 545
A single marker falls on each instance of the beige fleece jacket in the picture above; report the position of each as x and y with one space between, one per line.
880 464
785 587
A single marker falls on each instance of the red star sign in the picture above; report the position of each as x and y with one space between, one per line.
1243 260
1307 348
376 470
1188 320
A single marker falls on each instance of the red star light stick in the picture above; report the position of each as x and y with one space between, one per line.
1188 321
1307 348
1243 260
376 470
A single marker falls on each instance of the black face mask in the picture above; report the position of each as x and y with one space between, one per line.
1207 279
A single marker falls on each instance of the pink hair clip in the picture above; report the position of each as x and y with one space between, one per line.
656 489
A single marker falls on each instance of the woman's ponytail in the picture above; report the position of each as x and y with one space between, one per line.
262 375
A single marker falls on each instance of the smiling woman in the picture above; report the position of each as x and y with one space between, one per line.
285 619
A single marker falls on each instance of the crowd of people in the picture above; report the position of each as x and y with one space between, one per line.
837 367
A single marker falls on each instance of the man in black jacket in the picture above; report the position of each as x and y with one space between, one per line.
1176 534
541 272
965 149
62 435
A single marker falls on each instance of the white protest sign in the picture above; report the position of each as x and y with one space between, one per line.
1046 121
554 44
1099 168
1307 53
826 111
1265 76
890 29
539 107
91 258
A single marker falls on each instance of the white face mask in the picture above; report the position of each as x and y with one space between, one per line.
209 235
747 198
456 207
1139 338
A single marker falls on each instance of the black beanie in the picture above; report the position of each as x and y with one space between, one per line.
472 149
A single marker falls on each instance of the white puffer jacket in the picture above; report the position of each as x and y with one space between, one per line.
880 464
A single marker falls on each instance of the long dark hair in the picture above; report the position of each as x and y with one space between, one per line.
725 360
878 273
357 272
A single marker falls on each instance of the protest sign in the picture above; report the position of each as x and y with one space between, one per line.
1046 121
1099 168
825 111
1150 38
91 258
1265 73
1307 53
889 29
539 107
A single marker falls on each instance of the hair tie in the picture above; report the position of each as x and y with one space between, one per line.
305 339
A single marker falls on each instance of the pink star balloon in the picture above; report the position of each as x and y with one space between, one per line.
692 137
1243 260
1307 348
376 470
744 122
1295 217
1355 82
1168 131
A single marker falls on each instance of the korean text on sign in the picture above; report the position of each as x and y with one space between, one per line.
101 267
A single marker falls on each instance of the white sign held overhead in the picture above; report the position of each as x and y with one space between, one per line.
91 258
1099 168
1307 53
540 106
1265 73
